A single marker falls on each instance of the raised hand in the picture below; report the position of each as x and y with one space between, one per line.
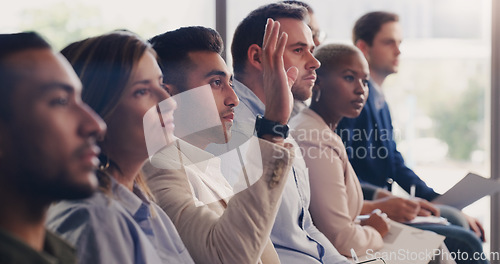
277 81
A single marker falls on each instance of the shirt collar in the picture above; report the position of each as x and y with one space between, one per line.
248 98
134 202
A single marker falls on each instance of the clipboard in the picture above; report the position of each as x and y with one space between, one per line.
468 190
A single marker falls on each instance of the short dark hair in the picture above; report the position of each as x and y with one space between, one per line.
332 55
251 30
173 47
300 3
10 44
367 26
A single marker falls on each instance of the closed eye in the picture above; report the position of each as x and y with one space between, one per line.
59 101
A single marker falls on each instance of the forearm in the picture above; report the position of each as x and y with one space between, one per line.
241 233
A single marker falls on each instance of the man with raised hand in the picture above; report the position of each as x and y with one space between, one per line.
294 235
215 225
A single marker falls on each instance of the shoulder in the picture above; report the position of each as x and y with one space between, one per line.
99 212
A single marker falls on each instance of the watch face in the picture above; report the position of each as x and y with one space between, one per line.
268 127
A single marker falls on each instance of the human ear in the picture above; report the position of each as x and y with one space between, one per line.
254 55
363 46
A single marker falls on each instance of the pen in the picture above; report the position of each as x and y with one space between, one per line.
354 256
412 190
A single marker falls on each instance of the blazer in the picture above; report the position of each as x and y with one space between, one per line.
370 145
234 230
336 196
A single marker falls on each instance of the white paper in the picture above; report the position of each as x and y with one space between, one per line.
470 189
424 220
405 244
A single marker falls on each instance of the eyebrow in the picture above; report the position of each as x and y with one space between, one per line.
44 88
301 44
216 72
349 70
354 72
146 81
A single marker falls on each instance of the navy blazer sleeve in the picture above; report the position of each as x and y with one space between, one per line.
372 149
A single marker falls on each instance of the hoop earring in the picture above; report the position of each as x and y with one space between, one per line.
103 167
318 95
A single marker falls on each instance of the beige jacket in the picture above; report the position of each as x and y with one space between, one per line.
235 231
336 196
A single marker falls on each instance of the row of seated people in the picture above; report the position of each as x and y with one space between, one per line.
157 197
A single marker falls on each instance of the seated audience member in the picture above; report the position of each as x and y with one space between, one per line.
214 228
341 91
294 235
336 196
318 37
47 147
379 35
120 223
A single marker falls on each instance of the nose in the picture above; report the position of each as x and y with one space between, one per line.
162 92
361 87
165 100
91 124
312 63
398 50
231 99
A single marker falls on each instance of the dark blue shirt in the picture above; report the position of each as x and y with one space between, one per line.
370 145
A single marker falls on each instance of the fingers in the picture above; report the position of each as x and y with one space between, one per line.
481 229
267 32
269 44
377 211
476 229
476 226
412 204
424 204
292 73
270 34
280 49
424 212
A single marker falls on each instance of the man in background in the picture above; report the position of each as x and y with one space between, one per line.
47 147
318 36
378 35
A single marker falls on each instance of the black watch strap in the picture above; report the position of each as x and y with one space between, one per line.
267 127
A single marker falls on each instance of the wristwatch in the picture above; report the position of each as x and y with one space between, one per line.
267 127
